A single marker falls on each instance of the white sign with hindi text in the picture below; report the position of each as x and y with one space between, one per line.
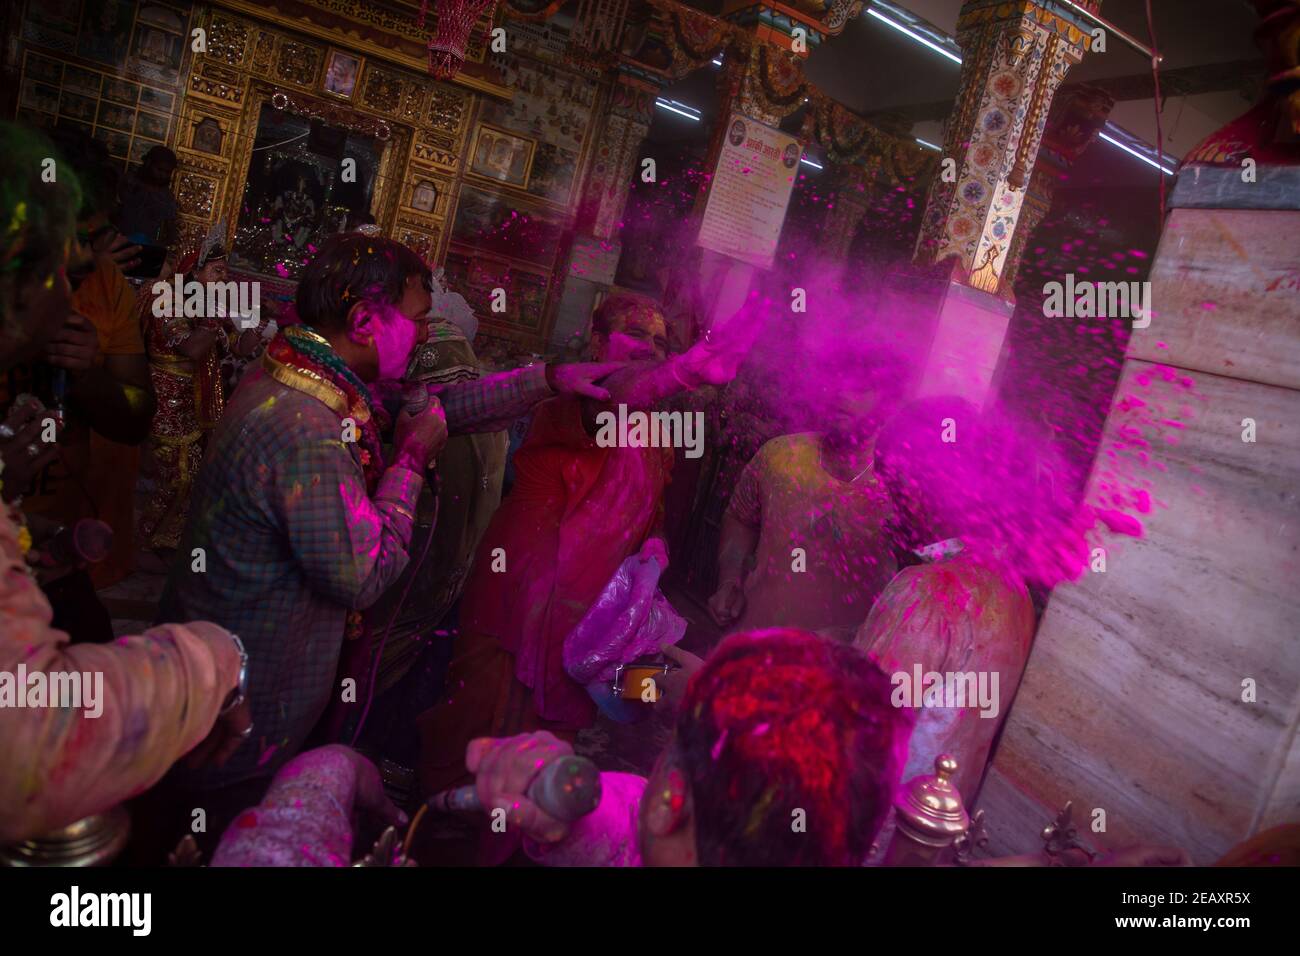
750 191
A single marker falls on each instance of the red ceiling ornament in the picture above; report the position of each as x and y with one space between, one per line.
456 18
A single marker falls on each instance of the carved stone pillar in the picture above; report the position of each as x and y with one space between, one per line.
1077 116
1015 57
627 122
852 189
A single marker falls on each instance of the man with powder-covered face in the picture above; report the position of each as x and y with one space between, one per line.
803 542
298 522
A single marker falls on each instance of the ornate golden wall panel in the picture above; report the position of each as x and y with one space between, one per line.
247 62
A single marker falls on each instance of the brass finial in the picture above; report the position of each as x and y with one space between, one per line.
976 838
930 818
930 808
1060 836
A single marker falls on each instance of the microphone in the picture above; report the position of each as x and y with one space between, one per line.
567 789
415 399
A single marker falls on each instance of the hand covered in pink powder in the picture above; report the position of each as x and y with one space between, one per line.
715 360
657 549
369 795
417 439
503 769
580 378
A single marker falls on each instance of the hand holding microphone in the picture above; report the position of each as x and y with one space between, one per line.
535 777
420 432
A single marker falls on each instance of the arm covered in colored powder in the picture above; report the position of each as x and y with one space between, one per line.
605 837
491 403
350 547
305 819
145 701
742 521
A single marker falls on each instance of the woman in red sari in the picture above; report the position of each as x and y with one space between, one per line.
574 514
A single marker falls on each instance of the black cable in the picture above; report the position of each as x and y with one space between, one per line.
406 592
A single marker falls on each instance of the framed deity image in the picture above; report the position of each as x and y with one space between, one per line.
341 73
501 156
116 117
424 196
158 47
207 136
120 91
156 99
79 108
105 31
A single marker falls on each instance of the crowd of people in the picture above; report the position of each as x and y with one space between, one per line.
330 517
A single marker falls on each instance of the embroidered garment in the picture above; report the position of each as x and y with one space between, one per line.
160 695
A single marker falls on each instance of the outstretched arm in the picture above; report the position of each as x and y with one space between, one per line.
305 819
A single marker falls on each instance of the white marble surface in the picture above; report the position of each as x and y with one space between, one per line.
1224 288
1132 697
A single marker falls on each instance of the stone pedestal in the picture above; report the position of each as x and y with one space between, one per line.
1132 701
969 331
951 334
980 211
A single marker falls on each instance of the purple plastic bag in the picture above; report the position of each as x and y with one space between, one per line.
629 620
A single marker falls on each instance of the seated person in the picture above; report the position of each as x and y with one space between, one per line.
965 608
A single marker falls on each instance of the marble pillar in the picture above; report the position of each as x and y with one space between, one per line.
1165 691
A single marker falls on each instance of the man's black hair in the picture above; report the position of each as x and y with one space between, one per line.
350 268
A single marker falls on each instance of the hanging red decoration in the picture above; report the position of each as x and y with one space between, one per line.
456 18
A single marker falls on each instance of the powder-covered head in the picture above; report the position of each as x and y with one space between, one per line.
629 326
351 268
375 290
931 455
37 222
780 726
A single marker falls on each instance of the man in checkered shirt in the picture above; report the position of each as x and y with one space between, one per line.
290 540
